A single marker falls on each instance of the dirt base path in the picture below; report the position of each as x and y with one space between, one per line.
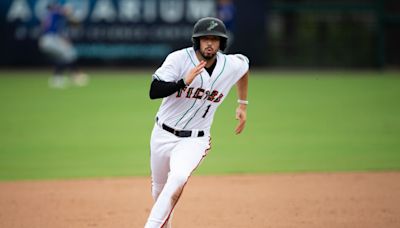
276 200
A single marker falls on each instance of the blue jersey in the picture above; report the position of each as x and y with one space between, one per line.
54 22
226 12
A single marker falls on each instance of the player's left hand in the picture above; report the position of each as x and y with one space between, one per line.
241 115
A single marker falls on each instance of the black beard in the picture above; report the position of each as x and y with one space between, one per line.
207 57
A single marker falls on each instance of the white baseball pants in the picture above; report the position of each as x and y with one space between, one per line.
58 47
173 159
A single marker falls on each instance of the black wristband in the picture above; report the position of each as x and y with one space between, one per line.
181 83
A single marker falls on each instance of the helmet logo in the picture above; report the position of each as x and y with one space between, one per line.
212 25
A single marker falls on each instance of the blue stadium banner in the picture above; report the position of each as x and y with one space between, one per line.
108 30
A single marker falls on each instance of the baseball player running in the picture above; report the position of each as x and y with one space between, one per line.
193 82
56 45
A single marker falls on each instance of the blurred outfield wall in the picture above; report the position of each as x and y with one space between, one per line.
334 33
110 31
273 33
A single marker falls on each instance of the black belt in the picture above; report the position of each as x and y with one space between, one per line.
181 133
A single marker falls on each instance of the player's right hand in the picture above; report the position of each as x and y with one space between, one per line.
194 72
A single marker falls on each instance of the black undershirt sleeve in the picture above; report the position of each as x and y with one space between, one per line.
160 89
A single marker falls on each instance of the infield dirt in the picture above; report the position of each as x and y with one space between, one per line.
365 200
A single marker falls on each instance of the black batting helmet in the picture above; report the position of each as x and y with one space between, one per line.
209 26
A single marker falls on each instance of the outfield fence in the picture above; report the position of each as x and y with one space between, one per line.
273 33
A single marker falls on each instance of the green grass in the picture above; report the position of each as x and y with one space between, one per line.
310 121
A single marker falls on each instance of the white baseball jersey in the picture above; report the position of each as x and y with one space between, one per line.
194 106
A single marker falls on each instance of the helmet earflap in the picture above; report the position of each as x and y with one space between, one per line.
196 43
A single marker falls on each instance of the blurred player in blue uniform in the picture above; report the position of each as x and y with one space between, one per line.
226 12
55 43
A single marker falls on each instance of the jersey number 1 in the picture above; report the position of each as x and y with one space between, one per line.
205 113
